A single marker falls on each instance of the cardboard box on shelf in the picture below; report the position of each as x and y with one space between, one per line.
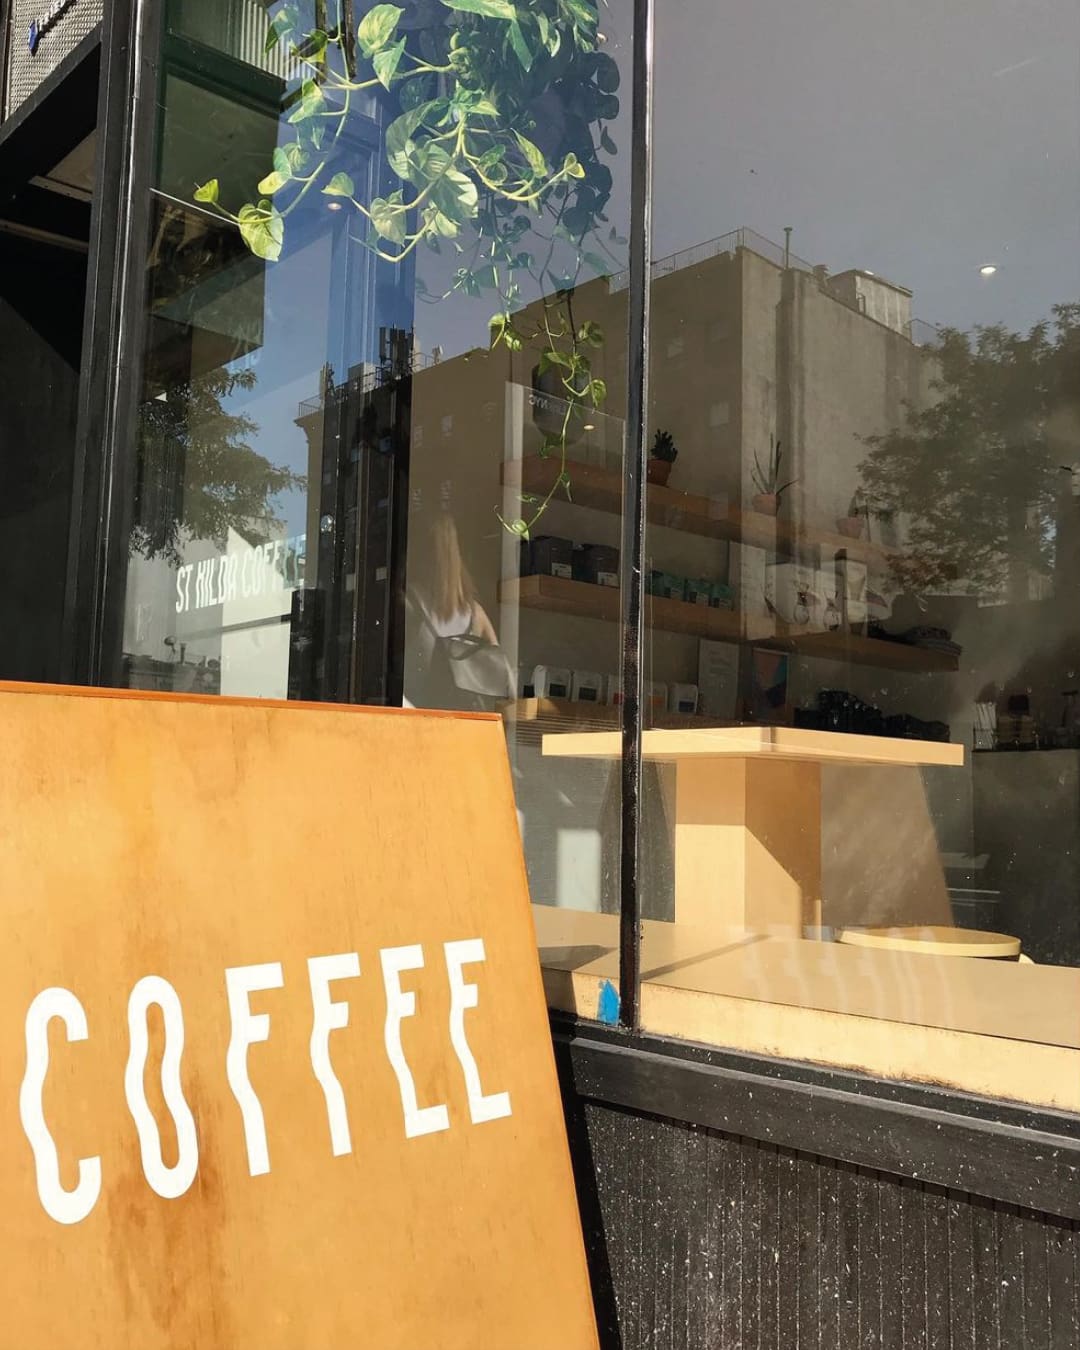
683 699
551 682
600 565
587 687
551 556
668 585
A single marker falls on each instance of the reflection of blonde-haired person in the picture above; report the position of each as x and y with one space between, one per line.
447 592
453 658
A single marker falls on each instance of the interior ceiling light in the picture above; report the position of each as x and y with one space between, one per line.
987 269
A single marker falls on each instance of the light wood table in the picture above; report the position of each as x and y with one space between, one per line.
934 941
748 813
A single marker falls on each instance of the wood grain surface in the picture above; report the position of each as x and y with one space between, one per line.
180 838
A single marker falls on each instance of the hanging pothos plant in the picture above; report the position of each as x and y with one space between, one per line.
502 111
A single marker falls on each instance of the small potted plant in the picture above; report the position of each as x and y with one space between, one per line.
852 525
661 457
766 478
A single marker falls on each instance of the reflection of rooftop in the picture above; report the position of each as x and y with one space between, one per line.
365 380
918 331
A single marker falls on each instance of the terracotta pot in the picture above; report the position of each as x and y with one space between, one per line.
659 471
766 503
851 526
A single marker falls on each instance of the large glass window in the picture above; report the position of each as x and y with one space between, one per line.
863 566
384 349
382 456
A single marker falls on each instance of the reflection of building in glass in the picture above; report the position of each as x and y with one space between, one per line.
347 620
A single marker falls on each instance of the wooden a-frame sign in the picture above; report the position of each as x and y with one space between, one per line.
275 1067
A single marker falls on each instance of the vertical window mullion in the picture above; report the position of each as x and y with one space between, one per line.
632 568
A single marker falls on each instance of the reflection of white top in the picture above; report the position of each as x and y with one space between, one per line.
458 625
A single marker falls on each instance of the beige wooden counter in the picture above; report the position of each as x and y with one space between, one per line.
989 1027
748 813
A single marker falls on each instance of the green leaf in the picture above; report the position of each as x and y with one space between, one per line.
533 154
522 50
439 223
283 23
572 167
312 102
598 392
208 192
388 217
341 185
282 163
455 195
314 46
398 143
273 182
591 334
387 61
263 230
294 154
607 143
549 359
488 9
497 328
377 27
584 12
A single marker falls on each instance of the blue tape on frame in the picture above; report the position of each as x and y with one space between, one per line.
608 1008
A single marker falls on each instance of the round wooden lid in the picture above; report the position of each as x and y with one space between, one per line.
933 940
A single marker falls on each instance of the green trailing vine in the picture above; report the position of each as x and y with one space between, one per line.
502 112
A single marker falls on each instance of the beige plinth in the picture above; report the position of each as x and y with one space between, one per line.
748 813
934 941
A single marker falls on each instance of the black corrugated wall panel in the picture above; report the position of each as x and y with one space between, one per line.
701 1240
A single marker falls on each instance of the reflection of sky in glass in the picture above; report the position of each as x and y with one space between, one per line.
917 140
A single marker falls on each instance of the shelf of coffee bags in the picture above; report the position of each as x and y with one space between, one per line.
557 595
854 649
601 490
560 596
532 718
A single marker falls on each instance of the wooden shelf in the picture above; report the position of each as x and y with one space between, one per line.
866 651
762 742
580 598
559 596
533 718
601 490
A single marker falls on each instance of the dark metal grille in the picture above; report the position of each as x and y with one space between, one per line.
27 69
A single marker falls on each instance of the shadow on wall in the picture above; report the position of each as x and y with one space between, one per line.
880 860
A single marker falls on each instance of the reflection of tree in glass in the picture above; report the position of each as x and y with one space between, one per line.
199 476
502 110
978 471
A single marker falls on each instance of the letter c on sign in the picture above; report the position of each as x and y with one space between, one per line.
169 1182
63 1206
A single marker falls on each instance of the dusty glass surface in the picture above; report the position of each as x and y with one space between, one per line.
864 570
382 246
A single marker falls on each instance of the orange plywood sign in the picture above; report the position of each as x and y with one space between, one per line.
275 1068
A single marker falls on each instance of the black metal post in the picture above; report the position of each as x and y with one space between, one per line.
105 449
632 577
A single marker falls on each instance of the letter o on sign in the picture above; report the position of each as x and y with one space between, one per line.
168 1182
